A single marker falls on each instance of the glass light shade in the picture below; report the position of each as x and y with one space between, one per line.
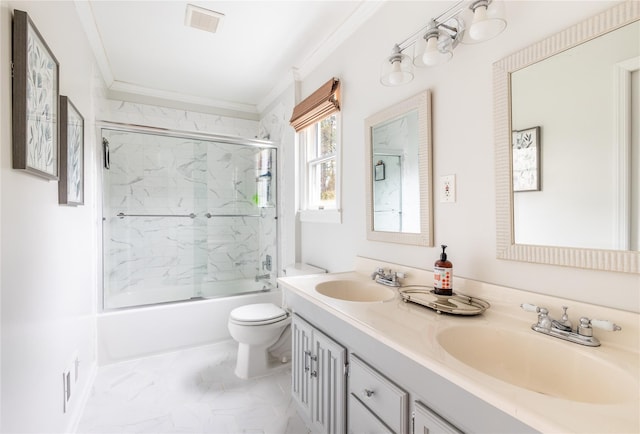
396 70
487 22
434 51
433 56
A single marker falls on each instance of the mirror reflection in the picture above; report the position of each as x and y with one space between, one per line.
572 138
575 152
398 173
396 194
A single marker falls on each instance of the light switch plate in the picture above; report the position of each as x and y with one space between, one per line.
448 188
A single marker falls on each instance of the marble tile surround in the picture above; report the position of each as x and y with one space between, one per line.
175 119
162 175
190 391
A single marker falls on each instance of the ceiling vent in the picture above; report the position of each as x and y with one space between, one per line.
203 19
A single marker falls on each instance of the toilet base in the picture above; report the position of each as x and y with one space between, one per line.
254 361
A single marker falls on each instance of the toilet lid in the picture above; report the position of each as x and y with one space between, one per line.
258 313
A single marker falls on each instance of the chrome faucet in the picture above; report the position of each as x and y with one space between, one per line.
392 278
562 328
260 277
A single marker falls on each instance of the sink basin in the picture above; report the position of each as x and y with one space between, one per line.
353 290
540 364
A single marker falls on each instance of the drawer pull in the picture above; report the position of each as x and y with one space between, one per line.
306 354
368 392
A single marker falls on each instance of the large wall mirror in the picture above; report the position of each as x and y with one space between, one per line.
567 115
398 158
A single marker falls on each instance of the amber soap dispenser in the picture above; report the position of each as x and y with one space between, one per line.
443 275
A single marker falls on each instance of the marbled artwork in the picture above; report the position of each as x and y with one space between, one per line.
35 101
42 103
71 183
194 224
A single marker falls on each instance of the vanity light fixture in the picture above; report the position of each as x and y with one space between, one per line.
434 43
396 69
488 21
436 46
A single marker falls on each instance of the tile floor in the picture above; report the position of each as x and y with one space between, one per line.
190 391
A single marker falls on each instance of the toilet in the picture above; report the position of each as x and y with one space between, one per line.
256 327
262 331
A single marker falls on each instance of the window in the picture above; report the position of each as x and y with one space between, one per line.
316 120
319 156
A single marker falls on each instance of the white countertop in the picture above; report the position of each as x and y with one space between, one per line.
412 330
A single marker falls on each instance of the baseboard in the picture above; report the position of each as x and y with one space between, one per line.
78 409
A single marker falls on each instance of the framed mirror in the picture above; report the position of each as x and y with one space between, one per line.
398 159
567 157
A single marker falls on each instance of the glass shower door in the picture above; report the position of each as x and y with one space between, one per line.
185 218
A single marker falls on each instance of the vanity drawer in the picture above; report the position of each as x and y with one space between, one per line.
362 421
427 421
379 395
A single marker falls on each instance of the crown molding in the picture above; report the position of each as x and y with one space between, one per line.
85 13
128 88
364 11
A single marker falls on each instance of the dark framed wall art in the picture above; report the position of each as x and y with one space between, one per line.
35 101
71 183
526 159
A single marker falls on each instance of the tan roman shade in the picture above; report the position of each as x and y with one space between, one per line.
317 106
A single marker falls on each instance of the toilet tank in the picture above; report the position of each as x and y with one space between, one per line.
301 269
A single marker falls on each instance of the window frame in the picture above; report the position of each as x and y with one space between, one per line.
310 211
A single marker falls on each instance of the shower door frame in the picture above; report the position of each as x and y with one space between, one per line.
178 134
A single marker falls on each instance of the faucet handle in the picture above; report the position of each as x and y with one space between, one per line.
544 321
605 325
586 324
533 308
564 323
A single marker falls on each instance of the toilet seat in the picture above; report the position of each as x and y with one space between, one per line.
257 314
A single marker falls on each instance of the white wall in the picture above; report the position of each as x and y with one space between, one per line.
462 145
49 253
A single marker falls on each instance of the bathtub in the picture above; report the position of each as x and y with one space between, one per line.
137 332
144 294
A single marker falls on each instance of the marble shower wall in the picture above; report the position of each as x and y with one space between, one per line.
179 257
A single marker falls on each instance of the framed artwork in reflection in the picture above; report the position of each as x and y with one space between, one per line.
526 160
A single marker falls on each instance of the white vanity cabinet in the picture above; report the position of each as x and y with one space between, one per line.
427 421
375 403
318 378
437 405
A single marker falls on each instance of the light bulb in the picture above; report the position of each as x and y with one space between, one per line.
432 55
396 75
482 27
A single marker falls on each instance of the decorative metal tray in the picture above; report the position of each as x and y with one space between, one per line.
456 304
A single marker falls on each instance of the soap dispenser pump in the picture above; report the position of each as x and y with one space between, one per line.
443 275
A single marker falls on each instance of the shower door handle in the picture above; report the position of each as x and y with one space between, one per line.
123 215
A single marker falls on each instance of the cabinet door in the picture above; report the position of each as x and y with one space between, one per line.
301 335
328 410
427 421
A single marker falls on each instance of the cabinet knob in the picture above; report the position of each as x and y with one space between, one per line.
368 392
314 373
